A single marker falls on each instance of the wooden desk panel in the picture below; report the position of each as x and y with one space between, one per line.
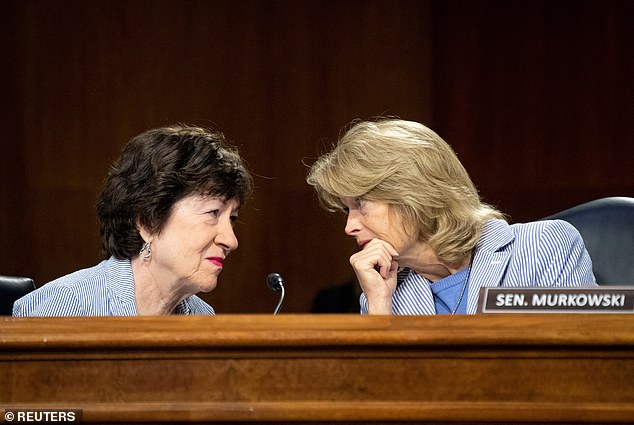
323 368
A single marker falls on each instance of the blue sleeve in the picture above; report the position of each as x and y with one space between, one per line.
363 302
563 256
56 300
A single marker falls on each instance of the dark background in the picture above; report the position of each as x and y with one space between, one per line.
535 96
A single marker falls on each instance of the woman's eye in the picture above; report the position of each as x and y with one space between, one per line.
233 218
213 213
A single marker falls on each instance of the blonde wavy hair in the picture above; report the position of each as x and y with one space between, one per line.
410 167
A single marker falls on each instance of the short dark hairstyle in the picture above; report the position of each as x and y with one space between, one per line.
158 168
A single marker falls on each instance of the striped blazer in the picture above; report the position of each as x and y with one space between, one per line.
537 254
106 289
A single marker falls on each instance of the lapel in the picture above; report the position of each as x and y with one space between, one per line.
490 261
120 287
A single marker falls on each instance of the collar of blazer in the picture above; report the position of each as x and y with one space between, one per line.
490 259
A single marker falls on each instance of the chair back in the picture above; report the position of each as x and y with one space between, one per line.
12 288
607 228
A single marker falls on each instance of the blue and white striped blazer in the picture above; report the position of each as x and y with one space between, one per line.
537 254
106 289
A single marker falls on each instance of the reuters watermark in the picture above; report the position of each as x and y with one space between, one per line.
52 416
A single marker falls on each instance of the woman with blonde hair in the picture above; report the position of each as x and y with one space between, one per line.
427 241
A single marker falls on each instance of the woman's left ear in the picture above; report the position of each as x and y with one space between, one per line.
145 234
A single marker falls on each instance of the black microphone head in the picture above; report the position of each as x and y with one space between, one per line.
274 281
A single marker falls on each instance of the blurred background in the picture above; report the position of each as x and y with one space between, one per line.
535 96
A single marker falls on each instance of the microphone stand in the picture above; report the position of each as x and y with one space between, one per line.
279 303
275 283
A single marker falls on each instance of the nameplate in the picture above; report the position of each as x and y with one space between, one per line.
602 299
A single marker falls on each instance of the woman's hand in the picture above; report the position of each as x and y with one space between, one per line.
376 266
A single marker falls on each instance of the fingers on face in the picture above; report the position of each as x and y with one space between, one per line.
378 255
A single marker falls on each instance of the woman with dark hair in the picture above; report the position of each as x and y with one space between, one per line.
427 242
166 216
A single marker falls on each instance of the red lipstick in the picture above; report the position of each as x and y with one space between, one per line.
217 261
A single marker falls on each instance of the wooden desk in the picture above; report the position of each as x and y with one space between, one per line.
492 369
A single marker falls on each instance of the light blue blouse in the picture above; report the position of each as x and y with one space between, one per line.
448 292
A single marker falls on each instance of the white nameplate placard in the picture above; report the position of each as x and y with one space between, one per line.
601 299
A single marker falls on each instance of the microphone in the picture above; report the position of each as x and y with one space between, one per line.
275 283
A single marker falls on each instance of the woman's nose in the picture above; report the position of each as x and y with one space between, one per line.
352 224
226 237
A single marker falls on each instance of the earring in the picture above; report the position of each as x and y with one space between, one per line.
146 251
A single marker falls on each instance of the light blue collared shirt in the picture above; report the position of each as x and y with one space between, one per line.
450 292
